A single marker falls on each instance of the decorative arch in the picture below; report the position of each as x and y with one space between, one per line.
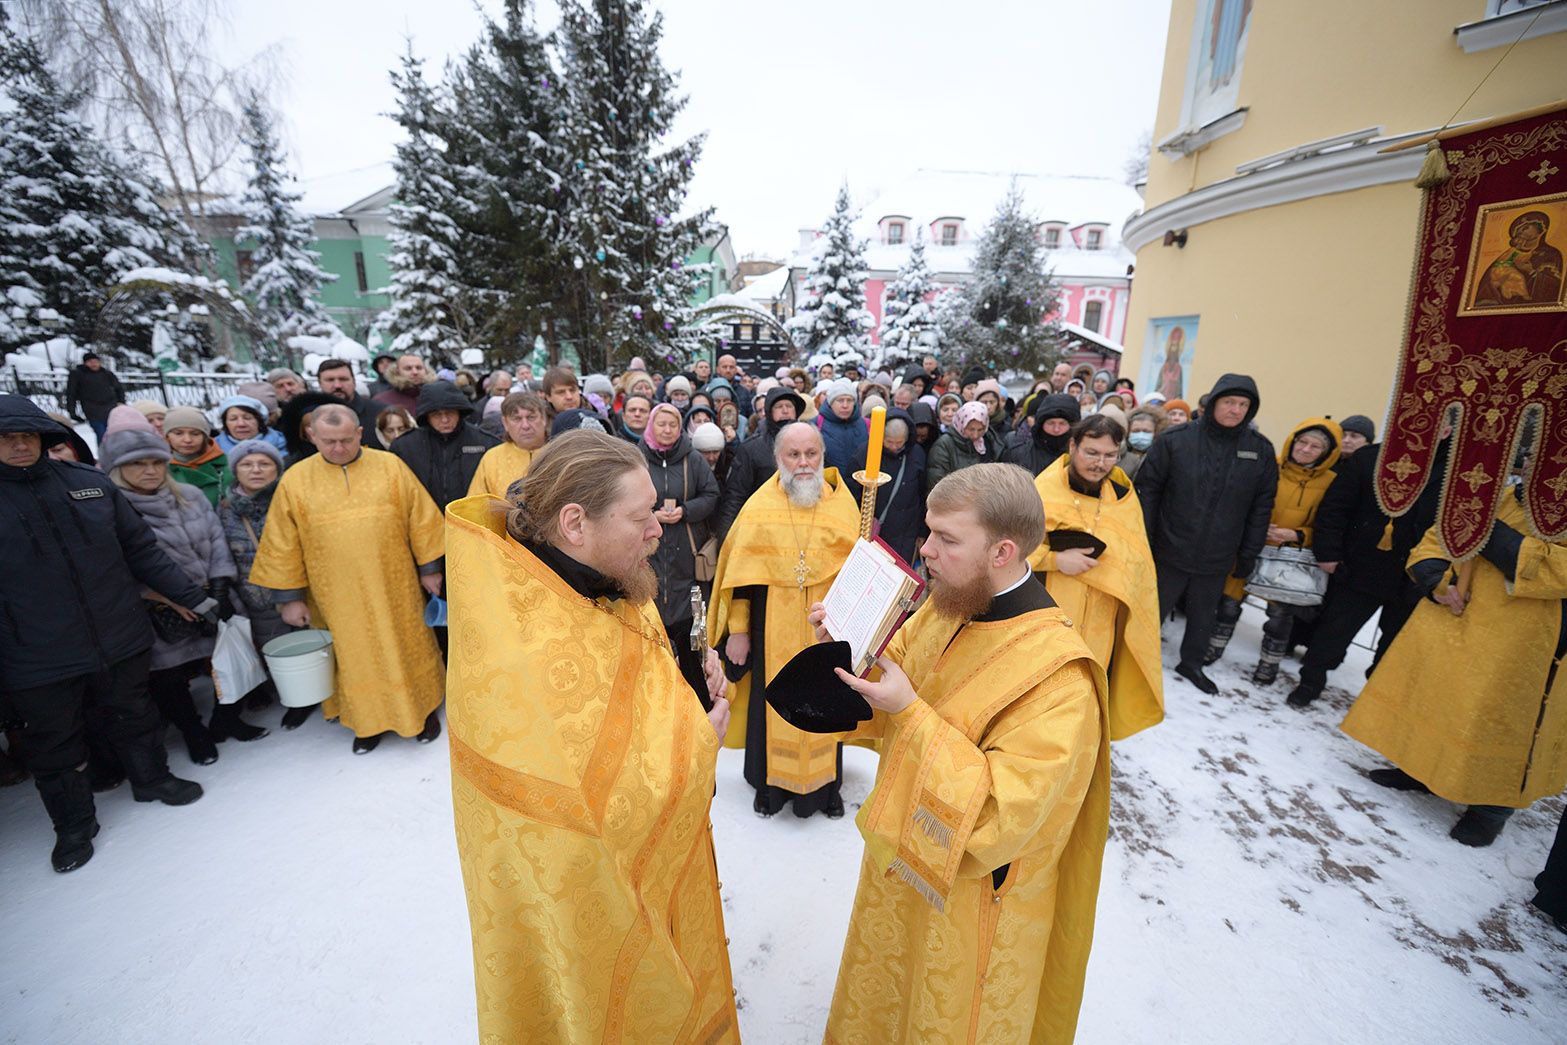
136 286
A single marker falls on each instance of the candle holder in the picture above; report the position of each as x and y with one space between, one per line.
868 500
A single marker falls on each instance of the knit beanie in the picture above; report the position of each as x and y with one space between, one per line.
148 407
675 384
599 385
131 444
708 437
1179 404
127 418
186 417
990 384
872 401
250 403
839 387
245 447
972 376
1362 424
263 391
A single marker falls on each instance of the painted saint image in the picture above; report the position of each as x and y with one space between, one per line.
1170 383
1527 272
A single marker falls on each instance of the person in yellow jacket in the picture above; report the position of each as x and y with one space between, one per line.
1493 734
1305 473
523 414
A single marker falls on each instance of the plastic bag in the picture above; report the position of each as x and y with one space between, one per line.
236 667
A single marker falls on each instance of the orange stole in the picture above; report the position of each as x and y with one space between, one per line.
582 775
762 549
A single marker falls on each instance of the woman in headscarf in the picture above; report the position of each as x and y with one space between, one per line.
969 440
244 417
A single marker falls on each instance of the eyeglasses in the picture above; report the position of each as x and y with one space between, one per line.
1101 458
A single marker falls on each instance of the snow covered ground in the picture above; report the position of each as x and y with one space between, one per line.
1257 888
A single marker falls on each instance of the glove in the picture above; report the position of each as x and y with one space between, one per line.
1244 565
1502 550
1427 574
218 589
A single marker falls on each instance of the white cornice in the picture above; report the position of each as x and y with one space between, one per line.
1506 30
1319 175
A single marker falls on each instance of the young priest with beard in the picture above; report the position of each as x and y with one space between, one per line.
1111 598
582 764
986 828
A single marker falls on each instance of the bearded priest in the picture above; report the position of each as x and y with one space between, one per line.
1111 597
582 764
985 830
785 547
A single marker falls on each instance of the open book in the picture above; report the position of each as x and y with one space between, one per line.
871 596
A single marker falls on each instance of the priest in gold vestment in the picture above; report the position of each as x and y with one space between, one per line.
582 766
780 556
985 830
1111 599
350 539
523 415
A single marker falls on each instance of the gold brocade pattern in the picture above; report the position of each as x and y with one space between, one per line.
763 548
1004 761
1115 605
500 466
353 536
582 775
1491 733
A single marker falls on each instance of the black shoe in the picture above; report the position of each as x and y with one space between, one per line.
73 849
365 745
199 745
1265 675
261 698
226 723
171 791
834 808
1480 825
293 718
1195 676
431 730
1302 696
1396 779
761 807
102 780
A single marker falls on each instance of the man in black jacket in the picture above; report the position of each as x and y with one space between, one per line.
1040 446
1366 557
444 451
94 388
75 636
1207 489
753 464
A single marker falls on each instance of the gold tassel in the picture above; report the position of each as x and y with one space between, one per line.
1433 171
935 830
924 888
1386 543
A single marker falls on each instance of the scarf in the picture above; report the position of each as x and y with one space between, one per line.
647 431
967 413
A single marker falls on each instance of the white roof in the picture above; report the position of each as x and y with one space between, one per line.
973 196
1084 334
769 286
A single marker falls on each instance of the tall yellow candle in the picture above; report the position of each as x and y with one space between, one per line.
873 452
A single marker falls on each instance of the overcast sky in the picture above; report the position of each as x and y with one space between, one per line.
795 97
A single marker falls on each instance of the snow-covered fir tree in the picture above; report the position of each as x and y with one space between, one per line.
75 217
909 328
429 314
286 285
1003 325
624 235
833 318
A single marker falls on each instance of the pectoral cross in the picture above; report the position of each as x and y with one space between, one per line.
800 570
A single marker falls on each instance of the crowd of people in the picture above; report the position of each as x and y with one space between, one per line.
297 506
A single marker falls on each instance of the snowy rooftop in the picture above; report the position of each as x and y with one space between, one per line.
1093 337
769 286
972 196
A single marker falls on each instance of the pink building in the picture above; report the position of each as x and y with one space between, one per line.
1078 219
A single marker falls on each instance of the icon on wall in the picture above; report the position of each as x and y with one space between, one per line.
1168 350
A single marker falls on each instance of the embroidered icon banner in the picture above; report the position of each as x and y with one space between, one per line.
1485 344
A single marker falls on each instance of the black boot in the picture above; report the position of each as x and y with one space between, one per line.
170 690
1273 651
199 744
1480 825
10 772
293 718
1224 621
1302 696
1396 779
68 798
431 730
147 765
365 745
226 723
1193 674
262 697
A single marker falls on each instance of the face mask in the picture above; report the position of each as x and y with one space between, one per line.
1140 440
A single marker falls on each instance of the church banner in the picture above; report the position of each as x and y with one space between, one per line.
1485 343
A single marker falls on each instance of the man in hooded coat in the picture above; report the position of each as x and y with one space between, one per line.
1039 447
445 450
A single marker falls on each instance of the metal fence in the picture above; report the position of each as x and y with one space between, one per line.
176 388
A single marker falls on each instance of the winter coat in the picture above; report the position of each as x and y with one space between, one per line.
681 473
77 557
1350 525
444 463
844 443
95 392
753 463
188 532
900 504
1208 491
207 472
950 452
1301 489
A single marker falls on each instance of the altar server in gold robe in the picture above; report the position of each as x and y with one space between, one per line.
523 415
785 547
1465 702
582 765
1112 599
351 539
986 827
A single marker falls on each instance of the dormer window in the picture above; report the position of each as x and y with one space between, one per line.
1092 240
949 234
895 232
1052 237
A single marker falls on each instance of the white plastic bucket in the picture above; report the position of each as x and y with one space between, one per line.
301 664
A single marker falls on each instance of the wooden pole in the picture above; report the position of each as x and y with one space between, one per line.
1478 125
